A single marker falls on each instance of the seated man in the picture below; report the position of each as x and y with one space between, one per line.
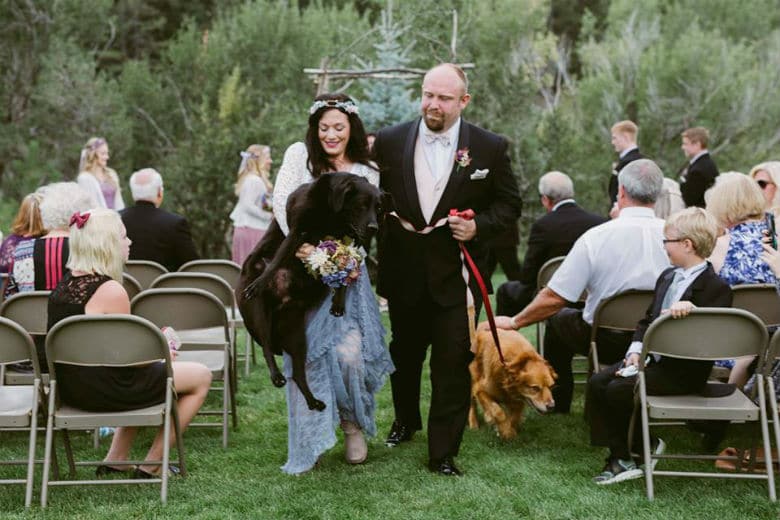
690 237
551 235
622 254
156 234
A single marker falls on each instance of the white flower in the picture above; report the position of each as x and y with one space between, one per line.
317 259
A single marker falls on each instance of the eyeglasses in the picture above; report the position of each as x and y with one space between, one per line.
763 184
668 240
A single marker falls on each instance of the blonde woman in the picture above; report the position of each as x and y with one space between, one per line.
252 214
767 176
100 181
98 251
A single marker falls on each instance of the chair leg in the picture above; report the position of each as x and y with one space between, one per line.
765 435
233 406
249 347
31 452
69 454
47 452
773 408
646 437
96 439
179 438
166 442
254 349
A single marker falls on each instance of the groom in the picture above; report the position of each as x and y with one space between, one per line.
429 166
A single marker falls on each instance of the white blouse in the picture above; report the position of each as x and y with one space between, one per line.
248 211
295 172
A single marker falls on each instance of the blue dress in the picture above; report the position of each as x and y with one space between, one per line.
743 264
346 365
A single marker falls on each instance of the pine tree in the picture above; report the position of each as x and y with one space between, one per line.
387 101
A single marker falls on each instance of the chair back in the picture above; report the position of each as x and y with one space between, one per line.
208 282
131 285
16 345
144 271
83 340
181 309
622 311
707 333
28 309
759 299
225 269
547 271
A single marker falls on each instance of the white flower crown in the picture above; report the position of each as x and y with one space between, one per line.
347 106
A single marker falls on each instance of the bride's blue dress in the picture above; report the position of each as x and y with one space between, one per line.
346 364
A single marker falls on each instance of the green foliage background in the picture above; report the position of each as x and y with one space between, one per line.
183 86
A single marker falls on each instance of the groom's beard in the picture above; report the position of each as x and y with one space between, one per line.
434 120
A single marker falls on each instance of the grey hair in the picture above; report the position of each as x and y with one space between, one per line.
642 180
145 184
556 186
60 201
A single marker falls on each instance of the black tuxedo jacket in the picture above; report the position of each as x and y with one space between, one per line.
412 264
698 178
158 235
707 290
631 156
553 235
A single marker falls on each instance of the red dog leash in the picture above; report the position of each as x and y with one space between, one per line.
469 214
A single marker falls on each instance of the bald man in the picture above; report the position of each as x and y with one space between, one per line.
428 166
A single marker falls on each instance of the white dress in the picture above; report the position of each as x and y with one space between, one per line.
347 361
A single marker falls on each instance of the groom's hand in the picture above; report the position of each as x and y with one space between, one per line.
462 230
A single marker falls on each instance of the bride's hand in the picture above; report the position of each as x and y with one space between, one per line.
304 251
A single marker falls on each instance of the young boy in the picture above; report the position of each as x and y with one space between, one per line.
689 237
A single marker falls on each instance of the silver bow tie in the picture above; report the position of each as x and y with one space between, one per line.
442 139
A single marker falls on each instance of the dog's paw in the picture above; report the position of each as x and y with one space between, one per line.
278 380
506 432
316 404
337 312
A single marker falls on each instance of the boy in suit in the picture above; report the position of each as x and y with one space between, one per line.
689 237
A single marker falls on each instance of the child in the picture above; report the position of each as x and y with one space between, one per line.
689 237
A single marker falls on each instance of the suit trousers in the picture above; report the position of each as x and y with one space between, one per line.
445 329
512 297
611 404
568 334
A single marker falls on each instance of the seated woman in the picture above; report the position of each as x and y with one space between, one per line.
737 203
767 176
26 225
98 249
39 263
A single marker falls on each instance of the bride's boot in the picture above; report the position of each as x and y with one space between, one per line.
355 447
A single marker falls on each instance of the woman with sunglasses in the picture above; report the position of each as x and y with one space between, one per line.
767 176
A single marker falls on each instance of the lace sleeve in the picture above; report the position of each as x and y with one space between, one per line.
292 174
370 172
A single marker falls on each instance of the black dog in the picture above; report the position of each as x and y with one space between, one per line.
275 291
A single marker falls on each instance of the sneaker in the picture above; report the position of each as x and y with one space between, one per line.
618 470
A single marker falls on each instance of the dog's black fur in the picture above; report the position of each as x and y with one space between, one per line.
275 291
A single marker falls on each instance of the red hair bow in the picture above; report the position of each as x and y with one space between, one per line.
79 219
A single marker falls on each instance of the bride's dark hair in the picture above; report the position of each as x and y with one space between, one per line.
357 145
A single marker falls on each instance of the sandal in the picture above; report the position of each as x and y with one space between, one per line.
103 470
139 474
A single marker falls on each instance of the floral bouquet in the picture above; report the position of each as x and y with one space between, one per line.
266 202
337 264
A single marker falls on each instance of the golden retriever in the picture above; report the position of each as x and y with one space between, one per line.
503 391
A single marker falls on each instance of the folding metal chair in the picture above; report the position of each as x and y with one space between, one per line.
705 334
19 404
81 340
144 271
200 321
543 277
230 272
30 310
131 285
771 395
620 312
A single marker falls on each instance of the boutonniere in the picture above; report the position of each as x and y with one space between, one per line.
462 158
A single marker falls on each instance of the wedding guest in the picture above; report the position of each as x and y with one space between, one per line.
700 173
100 181
39 263
93 285
738 204
624 141
670 200
26 225
430 165
252 214
346 360
767 176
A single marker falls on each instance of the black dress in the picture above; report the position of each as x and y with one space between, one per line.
100 389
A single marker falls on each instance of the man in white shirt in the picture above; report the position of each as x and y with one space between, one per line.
622 254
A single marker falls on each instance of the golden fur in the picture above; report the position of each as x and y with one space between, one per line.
503 392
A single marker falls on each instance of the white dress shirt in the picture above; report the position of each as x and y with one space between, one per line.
622 254
433 164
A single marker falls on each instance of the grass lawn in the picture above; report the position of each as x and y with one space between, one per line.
544 473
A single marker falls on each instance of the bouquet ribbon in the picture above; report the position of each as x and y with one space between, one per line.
468 266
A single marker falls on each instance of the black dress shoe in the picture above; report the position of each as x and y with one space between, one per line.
399 433
445 466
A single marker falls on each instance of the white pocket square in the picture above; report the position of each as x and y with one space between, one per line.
479 174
